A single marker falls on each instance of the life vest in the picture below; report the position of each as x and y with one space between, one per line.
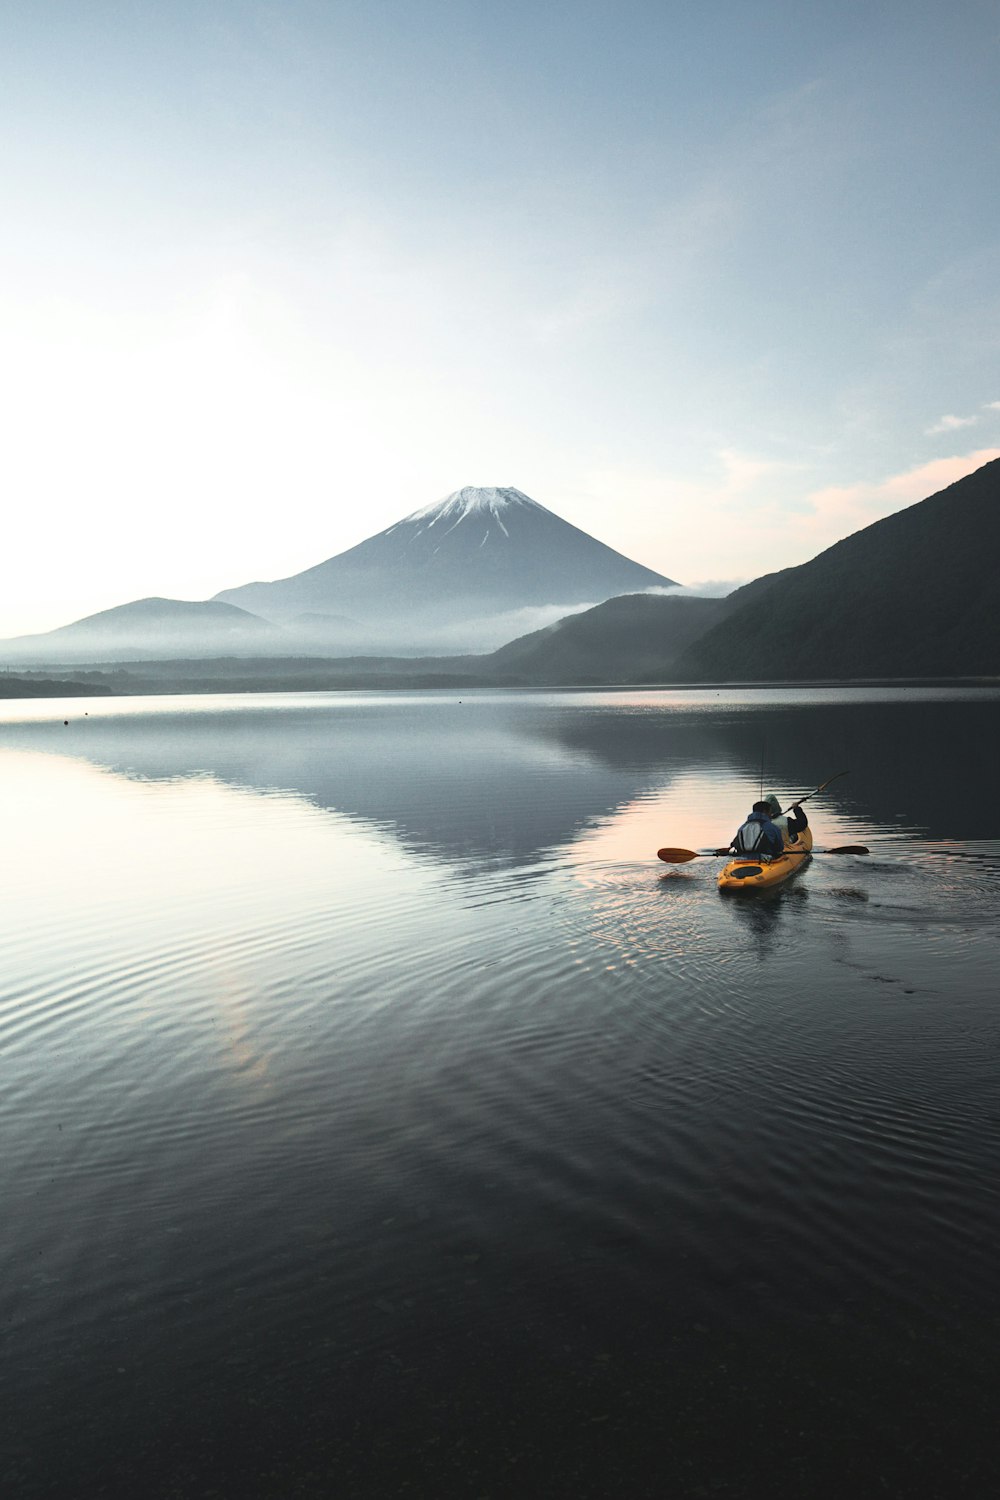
758 838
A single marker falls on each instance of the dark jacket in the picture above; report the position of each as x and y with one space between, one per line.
795 820
758 837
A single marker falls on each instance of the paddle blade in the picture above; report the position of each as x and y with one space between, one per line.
829 782
676 856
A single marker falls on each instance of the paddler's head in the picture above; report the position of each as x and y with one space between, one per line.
762 809
771 805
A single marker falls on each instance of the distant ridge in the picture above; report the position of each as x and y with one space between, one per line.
916 594
158 627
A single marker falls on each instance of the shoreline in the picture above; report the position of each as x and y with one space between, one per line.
186 680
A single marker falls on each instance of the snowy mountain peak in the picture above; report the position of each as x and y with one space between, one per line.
482 553
474 500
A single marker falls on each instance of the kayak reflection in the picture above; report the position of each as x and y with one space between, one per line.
762 919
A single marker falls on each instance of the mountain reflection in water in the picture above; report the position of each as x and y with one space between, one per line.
381 1118
509 776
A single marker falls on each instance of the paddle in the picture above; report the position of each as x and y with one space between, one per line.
681 856
799 800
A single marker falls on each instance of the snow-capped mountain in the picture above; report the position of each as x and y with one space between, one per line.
469 568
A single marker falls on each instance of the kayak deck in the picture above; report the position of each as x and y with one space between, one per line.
748 874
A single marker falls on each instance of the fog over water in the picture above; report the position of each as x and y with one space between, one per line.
381 1117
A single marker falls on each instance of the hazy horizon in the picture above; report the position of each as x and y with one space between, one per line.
717 286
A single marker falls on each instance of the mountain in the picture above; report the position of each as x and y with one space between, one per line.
459 574
465 575
635 638
914 595
147 627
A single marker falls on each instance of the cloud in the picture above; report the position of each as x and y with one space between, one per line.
950 424
991 406
749 516
720 527
491 631
708 588
839 510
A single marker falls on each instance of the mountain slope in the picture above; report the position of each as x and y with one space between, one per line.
635 638
479 552
155 627
916 594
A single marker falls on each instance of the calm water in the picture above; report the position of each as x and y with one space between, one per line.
380 1117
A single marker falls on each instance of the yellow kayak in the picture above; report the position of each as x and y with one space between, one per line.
748 874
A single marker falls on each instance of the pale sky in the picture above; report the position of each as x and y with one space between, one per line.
718 283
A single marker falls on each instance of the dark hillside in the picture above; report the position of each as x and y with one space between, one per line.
34 685
633 638
914 595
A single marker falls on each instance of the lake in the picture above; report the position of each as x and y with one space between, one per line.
381 1117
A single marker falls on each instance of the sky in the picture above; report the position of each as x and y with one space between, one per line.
719 284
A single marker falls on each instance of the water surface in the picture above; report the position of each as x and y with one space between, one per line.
381 1117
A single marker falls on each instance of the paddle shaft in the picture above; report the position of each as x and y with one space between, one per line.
799 800
682 856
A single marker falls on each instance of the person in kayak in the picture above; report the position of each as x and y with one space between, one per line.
790 823
759 837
